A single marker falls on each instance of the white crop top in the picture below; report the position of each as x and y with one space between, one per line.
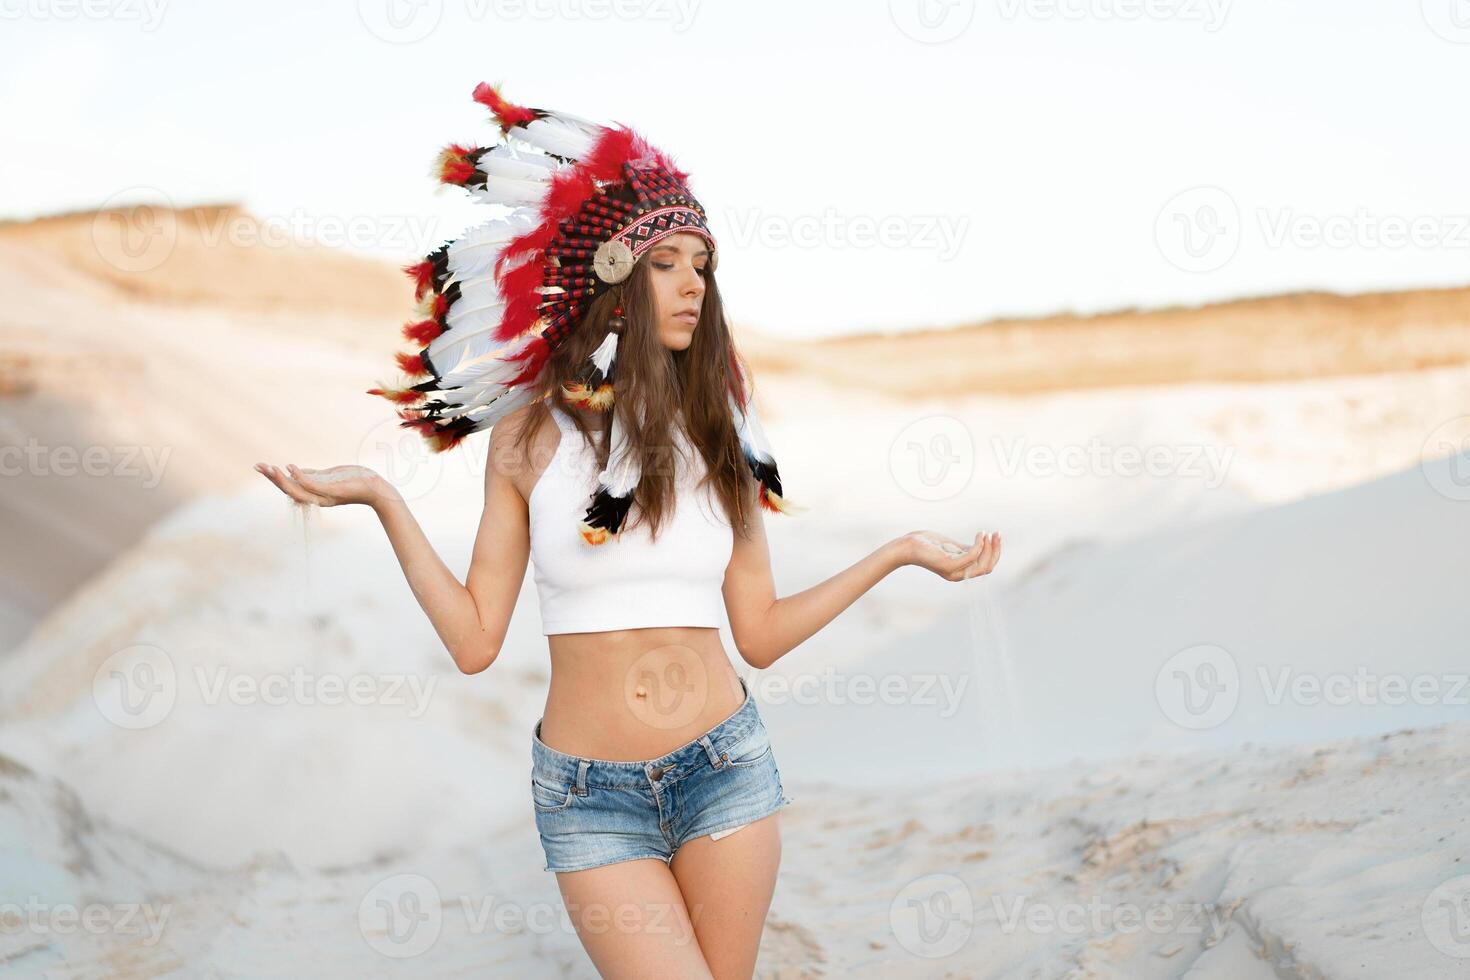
629 581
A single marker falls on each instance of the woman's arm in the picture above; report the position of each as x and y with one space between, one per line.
766 628
470 619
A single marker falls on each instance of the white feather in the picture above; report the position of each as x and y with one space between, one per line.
623 471
452 347
472 256
492 368
507 161
566 136
515 191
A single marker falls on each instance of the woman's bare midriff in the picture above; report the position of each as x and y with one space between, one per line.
631 695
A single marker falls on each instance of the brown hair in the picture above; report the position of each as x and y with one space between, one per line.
666 384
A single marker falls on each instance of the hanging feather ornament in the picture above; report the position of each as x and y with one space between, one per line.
585 201
593 386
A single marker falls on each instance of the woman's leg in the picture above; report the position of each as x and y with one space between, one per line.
727 886
632 920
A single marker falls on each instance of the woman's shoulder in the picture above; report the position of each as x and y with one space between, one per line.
511 448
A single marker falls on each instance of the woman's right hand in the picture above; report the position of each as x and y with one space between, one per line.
327 488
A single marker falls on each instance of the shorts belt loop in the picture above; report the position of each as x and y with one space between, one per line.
709 749
582 766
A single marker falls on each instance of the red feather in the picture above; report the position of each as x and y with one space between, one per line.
422 274
451 165
411 364
423 331
508 114
400 396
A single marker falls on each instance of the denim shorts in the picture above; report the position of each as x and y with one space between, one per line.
591 812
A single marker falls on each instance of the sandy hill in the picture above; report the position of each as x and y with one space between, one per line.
191 338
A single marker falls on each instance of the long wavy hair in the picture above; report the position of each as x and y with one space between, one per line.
685 387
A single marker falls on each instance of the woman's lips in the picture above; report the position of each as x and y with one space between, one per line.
687 317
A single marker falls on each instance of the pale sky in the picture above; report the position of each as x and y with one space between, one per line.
866 165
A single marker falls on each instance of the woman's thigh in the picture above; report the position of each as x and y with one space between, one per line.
632 919
727 885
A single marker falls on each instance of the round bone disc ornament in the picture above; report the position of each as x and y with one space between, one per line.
613 261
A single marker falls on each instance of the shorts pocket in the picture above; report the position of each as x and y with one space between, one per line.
549 797
752 750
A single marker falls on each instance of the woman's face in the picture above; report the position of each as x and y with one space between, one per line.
678 285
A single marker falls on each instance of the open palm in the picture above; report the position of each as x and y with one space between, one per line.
349 484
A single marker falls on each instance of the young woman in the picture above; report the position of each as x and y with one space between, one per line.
654 783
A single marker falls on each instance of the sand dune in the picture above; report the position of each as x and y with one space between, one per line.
1323 534
184 337
1325 862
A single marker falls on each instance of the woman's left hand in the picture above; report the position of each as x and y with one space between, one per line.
948 558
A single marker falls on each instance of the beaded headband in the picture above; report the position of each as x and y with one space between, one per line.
587 201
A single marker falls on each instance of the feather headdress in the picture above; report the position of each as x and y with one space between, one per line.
586 202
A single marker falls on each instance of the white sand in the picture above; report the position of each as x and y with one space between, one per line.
309 744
